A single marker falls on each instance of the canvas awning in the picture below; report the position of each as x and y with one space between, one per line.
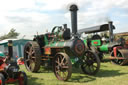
94 29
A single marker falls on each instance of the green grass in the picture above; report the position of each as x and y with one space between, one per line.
109 74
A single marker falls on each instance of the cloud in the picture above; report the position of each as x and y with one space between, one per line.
9 5
29 22
30 16
60 4
122 4
101 11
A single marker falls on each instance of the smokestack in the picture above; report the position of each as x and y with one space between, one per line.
65 26
10 49
73 9
111 37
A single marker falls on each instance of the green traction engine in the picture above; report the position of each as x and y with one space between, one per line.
118 49
61 49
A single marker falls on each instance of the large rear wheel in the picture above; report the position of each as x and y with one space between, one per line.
62 66
32 56
91 63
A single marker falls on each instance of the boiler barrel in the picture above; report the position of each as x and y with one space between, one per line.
76 46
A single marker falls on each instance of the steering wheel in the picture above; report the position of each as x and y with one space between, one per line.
56 29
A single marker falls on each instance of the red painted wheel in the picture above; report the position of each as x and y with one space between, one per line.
62 66
22 78
120 54
2 79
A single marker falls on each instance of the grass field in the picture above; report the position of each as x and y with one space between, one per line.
109 74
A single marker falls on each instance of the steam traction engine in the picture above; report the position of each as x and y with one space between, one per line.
118 49
96 42
62 49
119 54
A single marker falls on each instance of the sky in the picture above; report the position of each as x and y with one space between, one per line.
30 17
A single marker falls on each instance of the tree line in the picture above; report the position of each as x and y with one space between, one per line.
12 34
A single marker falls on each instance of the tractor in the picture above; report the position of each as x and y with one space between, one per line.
9 70
61 49
116 48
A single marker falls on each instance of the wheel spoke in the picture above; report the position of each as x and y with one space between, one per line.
60 57
29 66
65 66
27 52
92 69
32 64
58 62
27 60
120 61
57 67
85 65
89 69
33 52
33 57
57 71
117 61
31 49
64 75
91 64
62 67
94 66
62 60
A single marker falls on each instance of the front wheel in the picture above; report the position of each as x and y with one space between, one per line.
91 63
22 78
2 79
62 66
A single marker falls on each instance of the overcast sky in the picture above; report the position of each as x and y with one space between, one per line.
31 16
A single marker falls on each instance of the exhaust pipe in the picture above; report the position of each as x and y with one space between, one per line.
73 9
111 36
65 26
10 49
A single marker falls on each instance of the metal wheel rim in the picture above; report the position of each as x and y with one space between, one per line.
22 78
62 67
30 59
91 63
117 61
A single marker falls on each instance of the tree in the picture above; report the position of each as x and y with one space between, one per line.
11 34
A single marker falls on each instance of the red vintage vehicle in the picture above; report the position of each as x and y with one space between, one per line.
9 70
